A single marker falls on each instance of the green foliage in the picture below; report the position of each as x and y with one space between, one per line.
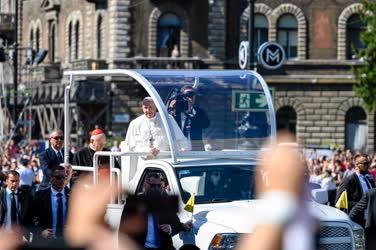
365 75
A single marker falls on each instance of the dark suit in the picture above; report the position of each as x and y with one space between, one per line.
48 159
357 214
132 207
42 209
199 122
354 189
25 207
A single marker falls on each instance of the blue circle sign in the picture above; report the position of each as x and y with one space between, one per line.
271 55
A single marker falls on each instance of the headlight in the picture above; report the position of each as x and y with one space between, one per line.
224 241
359 238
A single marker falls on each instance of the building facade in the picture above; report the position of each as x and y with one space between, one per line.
312 91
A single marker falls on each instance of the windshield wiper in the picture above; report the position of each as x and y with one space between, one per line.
219 200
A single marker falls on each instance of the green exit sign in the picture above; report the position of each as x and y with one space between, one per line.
249 101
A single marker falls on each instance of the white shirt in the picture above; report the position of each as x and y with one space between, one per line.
142 129
8 217
54 207
26 175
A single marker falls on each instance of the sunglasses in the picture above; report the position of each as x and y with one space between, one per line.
61 138
59 177
189 94
154 185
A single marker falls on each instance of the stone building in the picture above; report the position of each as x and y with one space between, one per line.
312 91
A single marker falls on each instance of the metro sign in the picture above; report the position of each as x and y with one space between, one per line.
271 55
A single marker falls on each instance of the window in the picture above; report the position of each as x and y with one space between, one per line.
169 27
287 34
356 129
32 38
77 40
37 38
286 119
99 37
51 41
355 26
261 31
70 33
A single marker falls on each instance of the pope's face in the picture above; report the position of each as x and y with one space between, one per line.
149 109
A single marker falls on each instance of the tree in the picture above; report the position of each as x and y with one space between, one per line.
365 74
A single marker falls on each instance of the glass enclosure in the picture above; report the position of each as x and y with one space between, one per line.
216 110
220 183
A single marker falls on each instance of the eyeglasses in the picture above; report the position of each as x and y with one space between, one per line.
59 177
61 138
154 185
189 94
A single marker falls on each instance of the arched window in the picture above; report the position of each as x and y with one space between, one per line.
286 119
32 38
261 30
355 26
169 27
99 37
287 34
37 38
51 41
70 40
77 40
356 129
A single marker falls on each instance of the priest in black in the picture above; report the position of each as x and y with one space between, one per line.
84 157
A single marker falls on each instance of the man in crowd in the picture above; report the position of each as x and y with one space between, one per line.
50 206
157 229
192 120
357 184
26 173
147 133
84 157
52 156
367 203
15 203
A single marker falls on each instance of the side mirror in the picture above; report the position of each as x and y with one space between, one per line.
320 195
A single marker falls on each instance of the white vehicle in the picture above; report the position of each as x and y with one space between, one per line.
242 119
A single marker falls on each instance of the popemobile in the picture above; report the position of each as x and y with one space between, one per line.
220 172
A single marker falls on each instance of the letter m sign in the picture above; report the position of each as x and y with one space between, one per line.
272 56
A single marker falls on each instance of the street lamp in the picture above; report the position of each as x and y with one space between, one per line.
251 27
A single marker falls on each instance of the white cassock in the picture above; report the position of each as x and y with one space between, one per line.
144 133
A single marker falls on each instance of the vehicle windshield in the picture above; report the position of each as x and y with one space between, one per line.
216 110
212 184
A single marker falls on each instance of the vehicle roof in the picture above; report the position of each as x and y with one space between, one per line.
204 162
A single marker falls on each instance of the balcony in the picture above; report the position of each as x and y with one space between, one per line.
160 63
7 22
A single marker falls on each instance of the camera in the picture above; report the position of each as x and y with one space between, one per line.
181 104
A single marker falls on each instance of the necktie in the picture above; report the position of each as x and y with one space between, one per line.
59 157
13 209
367 181
187 126
156 232
59 222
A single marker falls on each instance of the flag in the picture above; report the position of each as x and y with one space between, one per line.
343 201
190 203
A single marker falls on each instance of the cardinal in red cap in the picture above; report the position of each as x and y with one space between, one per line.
84 157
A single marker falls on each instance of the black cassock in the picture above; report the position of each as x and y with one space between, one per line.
84 157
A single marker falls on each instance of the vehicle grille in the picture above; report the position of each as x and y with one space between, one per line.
327 232
335 236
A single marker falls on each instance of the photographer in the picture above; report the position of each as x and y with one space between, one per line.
190 118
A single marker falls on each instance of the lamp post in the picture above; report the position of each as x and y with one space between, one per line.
251 28
15 64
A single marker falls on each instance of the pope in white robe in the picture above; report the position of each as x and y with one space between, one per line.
147 133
